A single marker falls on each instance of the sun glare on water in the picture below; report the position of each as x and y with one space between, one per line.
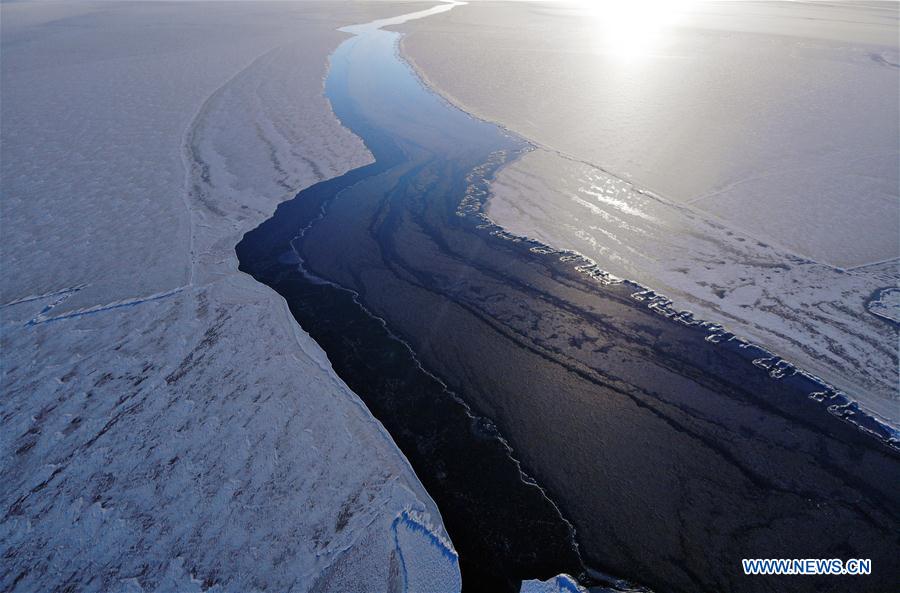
633 28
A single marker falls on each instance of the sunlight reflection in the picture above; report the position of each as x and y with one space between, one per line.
632 28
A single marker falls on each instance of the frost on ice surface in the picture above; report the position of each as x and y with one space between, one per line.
428 562
564 583
559 584
165 425
886 304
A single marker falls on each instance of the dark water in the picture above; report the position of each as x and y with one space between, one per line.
673 456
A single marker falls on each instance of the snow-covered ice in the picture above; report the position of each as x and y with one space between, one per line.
559 584
885 303
564 583
165 425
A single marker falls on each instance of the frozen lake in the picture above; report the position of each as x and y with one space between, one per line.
640 423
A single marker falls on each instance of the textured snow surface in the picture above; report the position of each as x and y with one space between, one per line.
165 425
767 132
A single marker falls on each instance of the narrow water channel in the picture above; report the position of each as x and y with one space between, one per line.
671 455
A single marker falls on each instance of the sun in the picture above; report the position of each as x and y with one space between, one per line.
633 28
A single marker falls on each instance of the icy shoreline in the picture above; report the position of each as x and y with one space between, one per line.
837 402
